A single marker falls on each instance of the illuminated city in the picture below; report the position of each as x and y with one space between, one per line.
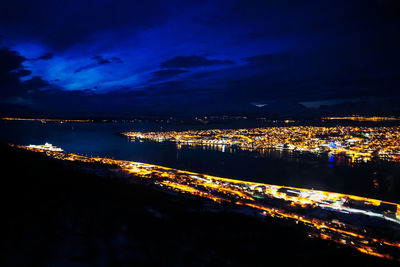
361 118
357 143
345 219
43 120
200 133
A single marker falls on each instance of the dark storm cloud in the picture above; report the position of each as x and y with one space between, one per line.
193 62
162 100
166 74
23 72
237 52
35 83
11 72
117 59
48 55
268 59
175 88
14 92
99 61
10 60
62 24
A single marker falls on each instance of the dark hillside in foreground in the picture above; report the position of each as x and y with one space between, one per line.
56 214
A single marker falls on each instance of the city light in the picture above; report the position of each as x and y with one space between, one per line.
361 118
44 120
356 143
345 219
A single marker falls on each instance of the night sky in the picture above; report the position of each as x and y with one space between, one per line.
122 58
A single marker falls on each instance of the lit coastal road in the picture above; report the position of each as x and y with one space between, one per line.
44 120
371 226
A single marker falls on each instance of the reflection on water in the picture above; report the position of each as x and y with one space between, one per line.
290 155
379 180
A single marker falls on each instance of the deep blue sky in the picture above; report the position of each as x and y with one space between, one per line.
197 57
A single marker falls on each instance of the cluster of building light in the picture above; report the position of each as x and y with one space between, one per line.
45 147
44 120
331 216
357 143
361 118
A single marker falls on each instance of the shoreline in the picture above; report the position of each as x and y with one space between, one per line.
71 211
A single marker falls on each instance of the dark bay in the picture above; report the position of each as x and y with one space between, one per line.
379 180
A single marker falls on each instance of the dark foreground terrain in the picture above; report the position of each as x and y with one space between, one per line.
59 214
